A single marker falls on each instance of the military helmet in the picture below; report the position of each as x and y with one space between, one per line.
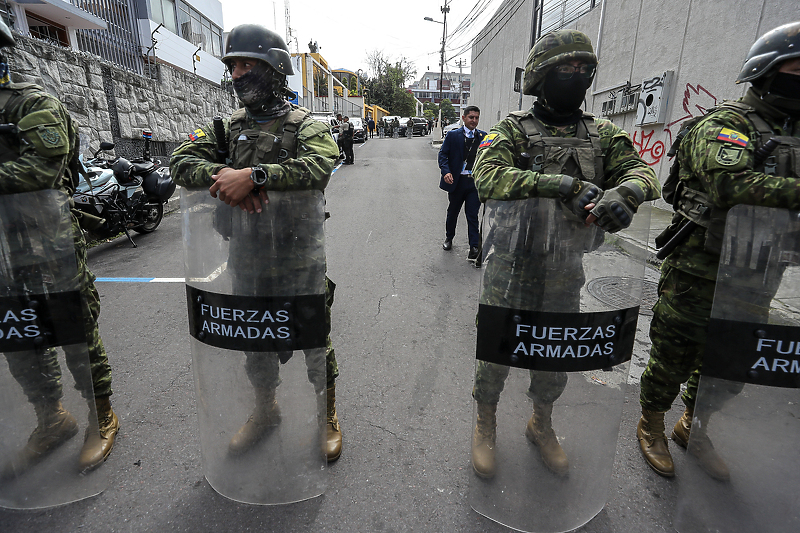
6 39
773 47
555 48
252 40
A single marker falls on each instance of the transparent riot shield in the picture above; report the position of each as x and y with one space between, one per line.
556 324
748 404
46 394
255 286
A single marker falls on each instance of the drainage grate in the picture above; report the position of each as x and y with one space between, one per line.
616 291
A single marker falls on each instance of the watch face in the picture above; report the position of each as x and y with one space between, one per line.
258 176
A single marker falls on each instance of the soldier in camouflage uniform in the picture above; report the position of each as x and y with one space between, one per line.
716 170
36 158
604 182
259 62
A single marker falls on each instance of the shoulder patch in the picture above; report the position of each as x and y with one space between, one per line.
734 137
196 134
50 136
488 140
728 156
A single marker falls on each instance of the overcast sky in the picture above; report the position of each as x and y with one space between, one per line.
347 31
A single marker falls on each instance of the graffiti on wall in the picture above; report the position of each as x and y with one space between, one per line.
696 101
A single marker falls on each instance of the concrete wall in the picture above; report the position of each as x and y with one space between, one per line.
703 43
111 104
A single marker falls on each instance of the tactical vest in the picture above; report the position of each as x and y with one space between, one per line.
12 99
580 157
783 160
253 146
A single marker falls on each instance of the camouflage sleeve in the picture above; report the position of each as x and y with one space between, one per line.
621 161
720 155
193 162
44 148
495 172
311 169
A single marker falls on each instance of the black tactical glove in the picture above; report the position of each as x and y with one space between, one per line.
614 211
577 194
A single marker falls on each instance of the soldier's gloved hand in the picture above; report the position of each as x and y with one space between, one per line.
614 211
575 194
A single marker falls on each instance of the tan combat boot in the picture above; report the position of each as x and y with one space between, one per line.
99 442
55 426
266 415
653 443
702 449
540 432
333 443
484 441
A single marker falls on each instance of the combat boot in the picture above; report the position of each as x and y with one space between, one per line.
55 426
266 415
653 443
333 443
484 441
540 432
702 449
99 441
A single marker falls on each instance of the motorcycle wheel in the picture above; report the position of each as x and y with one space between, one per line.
155 212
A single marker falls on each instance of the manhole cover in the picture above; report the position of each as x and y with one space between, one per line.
615 291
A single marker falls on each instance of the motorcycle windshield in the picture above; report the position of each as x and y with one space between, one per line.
556 322
748 405
42 338
256 298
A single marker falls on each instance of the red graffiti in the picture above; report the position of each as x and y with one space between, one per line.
651 154
696 102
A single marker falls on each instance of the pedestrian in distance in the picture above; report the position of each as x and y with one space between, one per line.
456 160
291 152
39 151
371 124
716 168
346 131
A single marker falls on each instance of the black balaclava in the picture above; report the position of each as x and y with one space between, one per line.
564 97
780 90
261 92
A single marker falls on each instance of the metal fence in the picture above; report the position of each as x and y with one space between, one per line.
119 43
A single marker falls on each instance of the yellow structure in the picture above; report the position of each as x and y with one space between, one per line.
376 111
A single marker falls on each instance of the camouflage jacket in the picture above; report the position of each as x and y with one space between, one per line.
712 163
497 177
36 158
195 161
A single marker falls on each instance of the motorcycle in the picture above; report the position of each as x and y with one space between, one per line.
121 195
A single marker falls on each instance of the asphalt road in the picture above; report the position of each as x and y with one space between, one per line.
403 329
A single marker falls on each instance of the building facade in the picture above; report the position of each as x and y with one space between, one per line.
455 87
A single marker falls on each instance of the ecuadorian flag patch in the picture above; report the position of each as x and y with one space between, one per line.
733 137
196 134
488 140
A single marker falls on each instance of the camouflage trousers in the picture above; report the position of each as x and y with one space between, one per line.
678 333
39 372
263 368
532 286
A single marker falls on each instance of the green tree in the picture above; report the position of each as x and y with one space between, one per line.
430 110
448 111
387 82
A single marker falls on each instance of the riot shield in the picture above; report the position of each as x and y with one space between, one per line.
42 336
556 324
255 286
748 405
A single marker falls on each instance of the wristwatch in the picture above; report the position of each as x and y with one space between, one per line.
258 176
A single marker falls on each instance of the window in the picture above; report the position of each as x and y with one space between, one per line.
198 30
556 14
163 11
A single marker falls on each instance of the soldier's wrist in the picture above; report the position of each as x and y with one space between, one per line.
553 185
259 177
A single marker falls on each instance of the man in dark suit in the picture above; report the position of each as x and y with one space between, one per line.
456 158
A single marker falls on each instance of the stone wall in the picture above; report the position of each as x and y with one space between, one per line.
114 105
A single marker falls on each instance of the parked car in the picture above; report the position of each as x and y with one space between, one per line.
403 126
450 128
420 126
359 129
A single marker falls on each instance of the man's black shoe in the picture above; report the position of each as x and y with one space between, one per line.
448 244
474 254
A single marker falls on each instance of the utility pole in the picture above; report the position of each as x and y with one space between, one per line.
444 9
461 63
